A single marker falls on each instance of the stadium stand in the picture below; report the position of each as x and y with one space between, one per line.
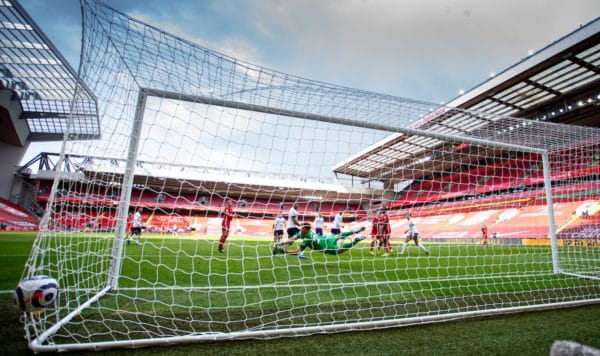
167 210
449 193
12 217
498 177
526 210
508 191
516 223
455 204
251 205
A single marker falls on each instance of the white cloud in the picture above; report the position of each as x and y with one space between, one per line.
408 47
234 46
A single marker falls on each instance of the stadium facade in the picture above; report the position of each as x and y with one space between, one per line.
556 84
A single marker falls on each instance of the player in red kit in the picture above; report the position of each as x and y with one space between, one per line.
375 236
484 235
226 223
385 231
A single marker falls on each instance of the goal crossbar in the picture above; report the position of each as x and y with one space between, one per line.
335 120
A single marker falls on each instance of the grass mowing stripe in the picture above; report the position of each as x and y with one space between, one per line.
248 282
303 285
517 334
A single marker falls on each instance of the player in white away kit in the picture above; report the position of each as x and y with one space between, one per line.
293 225
319 223
278 227
412 234
293 228
136 229
336 228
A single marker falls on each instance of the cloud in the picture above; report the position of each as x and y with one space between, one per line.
408 44
426 50
204 23
213 136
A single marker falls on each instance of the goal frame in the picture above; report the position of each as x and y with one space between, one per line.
37 344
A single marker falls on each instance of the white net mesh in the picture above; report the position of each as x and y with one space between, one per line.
185 129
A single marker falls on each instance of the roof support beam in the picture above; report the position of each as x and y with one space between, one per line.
505 103
584 64
542 87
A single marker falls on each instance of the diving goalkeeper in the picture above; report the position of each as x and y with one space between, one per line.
327 244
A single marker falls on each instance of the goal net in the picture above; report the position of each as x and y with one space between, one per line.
506 209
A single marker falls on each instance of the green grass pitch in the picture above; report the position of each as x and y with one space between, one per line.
355 277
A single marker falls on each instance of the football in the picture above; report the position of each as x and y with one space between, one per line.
36 293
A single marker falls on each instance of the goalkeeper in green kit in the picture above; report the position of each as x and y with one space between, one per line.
327 244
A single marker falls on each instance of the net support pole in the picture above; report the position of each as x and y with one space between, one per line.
126 188
550 204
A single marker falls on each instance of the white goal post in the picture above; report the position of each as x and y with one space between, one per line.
507 210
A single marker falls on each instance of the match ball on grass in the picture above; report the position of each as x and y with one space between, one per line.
36 293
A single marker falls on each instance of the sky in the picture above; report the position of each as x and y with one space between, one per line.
428 50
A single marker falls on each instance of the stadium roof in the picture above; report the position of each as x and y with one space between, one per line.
558 84
163 176
43 80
